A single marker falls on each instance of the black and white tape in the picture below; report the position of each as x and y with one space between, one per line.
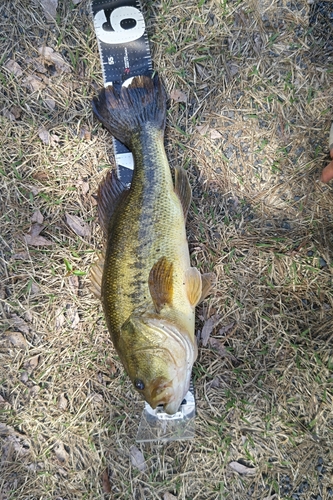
124 50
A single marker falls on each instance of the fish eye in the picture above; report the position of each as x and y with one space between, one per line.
139 384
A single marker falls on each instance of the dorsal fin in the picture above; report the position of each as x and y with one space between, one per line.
110 193
161 283
183 189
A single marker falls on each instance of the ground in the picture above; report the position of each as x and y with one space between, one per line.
254 80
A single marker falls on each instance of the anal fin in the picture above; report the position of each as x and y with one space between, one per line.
96 273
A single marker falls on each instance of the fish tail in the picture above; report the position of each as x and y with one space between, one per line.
125 111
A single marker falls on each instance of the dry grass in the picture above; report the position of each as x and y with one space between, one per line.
254 71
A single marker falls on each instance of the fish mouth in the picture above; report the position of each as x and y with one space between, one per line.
168 395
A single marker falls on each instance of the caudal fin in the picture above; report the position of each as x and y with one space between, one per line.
125 111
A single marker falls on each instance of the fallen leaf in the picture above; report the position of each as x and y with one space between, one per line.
31 364
84 186
178 95
34 290
97 399
226 328
62 402
33 83
76 2
37 217
72 316
79 227
112 366
54 58
39 67
16 110
137 459
13 67
106 482
208 328
215 383
7 114
202 129
50 9
242 469
74 283
169 496
19 323
34 390
215 134
24 377
34 239
85 134
47 138
60 452
219 346
59 319
17 339
50 103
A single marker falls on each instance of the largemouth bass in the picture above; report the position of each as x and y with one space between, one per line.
145 280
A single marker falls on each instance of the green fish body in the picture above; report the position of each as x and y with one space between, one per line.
145 280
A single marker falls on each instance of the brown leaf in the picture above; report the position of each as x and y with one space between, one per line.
31 364
33 83
137 459
17 339
50 9
72 316
226 328
106 485
112 366
242 469
33 238
60 452
208 328
215 134
54 58
37 217
47 138
202 129
74 283
59 319
169 496
34 288
16 110
79 227
19 323
50 103
219 346
62 402
7 114
85 134
13 67
178 95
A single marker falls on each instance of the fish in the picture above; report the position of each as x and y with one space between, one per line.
144 277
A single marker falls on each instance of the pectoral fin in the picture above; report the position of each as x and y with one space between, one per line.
96 273
193 285
183 189
160 283
208 281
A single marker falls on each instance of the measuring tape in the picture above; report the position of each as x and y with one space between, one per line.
124 49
